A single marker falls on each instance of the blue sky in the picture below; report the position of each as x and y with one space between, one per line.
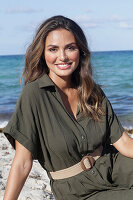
108 25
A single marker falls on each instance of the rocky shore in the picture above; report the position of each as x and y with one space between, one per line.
37 185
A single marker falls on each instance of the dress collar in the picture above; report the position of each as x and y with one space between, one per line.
45 81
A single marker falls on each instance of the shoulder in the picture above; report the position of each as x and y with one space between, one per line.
31 89
30 93
32 86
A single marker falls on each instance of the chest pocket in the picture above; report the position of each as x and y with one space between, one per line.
96 133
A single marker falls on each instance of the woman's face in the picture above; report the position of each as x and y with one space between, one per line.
61 53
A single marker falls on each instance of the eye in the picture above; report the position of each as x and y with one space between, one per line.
72 48
52 49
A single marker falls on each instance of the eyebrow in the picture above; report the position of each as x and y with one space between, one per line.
52 45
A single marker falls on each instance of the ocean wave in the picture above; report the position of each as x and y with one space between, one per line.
128 127
3 123
5 116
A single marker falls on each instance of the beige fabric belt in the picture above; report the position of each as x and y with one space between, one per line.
85 164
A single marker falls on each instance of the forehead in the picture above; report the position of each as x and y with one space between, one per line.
59 36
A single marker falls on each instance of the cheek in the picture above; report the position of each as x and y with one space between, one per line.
75 57
50 58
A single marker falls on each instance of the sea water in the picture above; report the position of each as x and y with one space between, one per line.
112 70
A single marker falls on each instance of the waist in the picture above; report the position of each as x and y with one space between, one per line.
85 164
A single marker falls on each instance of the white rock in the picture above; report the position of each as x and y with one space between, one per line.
37 185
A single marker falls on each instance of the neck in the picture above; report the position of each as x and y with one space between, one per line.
63 83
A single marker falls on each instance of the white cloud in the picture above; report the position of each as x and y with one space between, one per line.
90 22
88 19
90 25
87 22
96 22
22 10
29 27
83 18
115 18
125 25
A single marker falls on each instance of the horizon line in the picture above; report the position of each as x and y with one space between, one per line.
93 51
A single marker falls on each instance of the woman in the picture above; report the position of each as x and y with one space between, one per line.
64 120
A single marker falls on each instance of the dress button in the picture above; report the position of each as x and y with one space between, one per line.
83 137
92 171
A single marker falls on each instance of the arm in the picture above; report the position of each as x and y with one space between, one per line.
21 166
125 145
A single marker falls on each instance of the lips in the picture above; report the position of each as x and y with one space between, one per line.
63 66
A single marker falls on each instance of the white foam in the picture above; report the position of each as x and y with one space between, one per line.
128 127
3 123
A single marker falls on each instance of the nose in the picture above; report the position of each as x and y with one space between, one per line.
62 55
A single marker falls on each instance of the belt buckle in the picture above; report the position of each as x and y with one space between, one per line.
91 162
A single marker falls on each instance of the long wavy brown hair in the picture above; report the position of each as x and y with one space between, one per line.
89 93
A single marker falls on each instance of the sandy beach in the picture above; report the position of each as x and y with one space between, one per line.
37 184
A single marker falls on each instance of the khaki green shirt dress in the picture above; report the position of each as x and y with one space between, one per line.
42 124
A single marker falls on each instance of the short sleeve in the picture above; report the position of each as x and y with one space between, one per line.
114 127
22 125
